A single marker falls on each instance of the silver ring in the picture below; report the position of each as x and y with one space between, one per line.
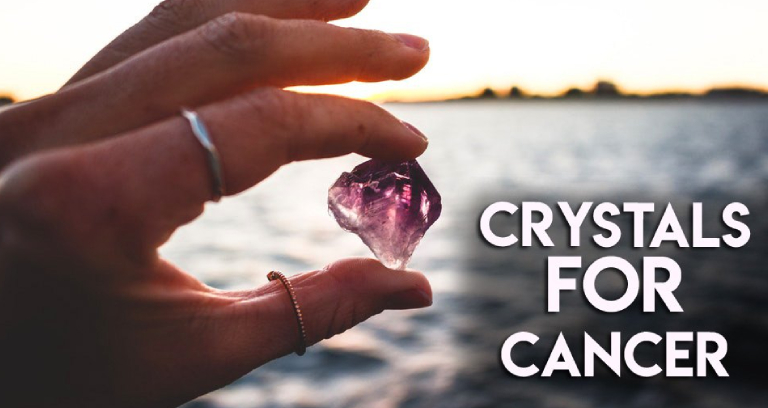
214 160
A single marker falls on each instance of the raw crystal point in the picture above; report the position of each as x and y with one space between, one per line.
389 205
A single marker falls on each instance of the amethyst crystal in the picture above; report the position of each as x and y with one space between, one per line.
389 205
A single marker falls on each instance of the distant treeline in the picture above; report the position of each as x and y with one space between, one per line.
609 90
601 90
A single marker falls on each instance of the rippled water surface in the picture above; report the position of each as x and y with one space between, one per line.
446 356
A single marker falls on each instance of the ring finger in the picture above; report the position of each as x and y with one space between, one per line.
153 180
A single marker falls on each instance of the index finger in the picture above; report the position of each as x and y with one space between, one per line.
156 179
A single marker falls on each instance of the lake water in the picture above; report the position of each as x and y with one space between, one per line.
481 152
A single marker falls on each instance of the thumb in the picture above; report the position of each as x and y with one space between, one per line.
262 325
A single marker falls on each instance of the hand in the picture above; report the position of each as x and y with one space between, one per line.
98 175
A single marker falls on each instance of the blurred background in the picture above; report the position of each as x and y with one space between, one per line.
544 47
594 100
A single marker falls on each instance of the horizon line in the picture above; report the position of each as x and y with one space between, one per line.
504 92
416 96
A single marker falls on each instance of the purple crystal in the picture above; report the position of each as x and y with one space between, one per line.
389 205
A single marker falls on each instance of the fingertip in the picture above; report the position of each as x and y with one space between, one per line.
383 56
395 289
403 63
370 272
415 56
416 295
412 41
397 141
415 143
420 281
408 299
355 265
421 147
416 131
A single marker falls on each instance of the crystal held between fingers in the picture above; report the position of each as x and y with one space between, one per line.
389 205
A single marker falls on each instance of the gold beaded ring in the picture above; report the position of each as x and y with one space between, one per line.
275 275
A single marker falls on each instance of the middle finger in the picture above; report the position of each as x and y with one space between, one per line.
224 57
174 17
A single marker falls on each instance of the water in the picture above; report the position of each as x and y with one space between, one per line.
481 152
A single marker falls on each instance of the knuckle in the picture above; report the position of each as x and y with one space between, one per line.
350 290
270 104
29 203
347 276
50 202
264 99
170 15
237 35
283 113
375 43
373 40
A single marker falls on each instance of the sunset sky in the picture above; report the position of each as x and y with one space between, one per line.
543 46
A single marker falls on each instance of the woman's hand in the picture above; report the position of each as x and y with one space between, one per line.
97 176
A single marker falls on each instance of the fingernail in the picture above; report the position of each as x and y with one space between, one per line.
412 41
410 299
417 132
